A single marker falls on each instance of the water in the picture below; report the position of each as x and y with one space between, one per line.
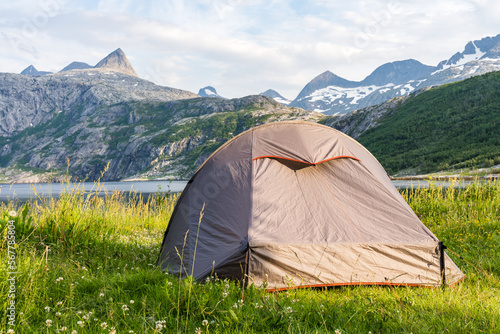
23 192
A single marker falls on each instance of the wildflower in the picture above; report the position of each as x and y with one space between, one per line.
112 331
224 294
84 268
101 295
235 305
290 310
241 302
48 322
58 314
10 331
59 279
79 312
204 322
59 303
86 317
198 330
104 325
80 323
131 301
62 329
74 332
160 324
169 283
338 331
12 213
124 307
47 308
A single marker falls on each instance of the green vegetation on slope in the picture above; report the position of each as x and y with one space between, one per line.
452 126
85 264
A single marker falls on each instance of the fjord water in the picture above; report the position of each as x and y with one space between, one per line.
26 191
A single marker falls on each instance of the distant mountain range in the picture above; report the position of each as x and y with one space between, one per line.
331 94
85 117
115 61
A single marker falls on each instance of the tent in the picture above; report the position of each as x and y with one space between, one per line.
299 204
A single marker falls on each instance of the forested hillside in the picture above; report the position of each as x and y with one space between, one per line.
449 127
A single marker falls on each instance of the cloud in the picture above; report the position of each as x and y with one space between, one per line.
241 47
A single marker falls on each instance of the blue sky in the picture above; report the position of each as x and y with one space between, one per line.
240 47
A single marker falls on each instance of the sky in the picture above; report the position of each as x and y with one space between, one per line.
240 47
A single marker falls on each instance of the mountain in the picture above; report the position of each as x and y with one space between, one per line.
118 62
138 138
331 94
208 91
31 70
452 126
76 65
276 96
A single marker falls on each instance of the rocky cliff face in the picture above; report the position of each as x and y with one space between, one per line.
27 101
153 137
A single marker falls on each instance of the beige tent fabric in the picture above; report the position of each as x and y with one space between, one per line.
307 205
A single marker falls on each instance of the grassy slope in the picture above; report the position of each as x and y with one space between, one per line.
86 262
455 125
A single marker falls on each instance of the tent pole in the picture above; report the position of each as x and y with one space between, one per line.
442 247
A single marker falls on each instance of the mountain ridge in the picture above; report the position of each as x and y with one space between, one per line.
331 94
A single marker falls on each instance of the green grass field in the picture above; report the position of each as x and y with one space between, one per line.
85 264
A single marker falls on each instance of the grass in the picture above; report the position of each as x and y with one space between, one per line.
85 264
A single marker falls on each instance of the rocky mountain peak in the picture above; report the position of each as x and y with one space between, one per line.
276 96
398 72
31 70
324 80
117 61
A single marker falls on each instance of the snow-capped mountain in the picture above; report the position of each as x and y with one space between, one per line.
276 96
208 91
331 94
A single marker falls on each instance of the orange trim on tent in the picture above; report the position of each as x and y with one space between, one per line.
307 162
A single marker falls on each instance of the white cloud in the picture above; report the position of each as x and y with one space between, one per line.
242 47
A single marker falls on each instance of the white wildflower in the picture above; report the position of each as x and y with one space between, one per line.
104 325
47 308
48 322
204 322
12 213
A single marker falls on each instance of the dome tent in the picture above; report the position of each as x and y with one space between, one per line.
295 204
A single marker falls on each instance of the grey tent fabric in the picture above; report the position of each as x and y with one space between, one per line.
298 204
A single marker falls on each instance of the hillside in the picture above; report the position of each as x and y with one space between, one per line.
140 139
451 126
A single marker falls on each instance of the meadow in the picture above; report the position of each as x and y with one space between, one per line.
85 263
